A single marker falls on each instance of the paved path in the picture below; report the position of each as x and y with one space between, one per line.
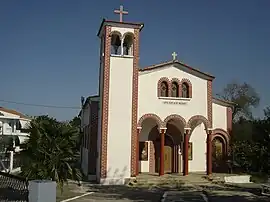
186 192
105 197
184 196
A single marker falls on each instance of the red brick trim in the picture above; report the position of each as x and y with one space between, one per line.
187 81
176 80
176 117
151 157
229 120
198 117
163 79
150 116
105 102
134 136
209 103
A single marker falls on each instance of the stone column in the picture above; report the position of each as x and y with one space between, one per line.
11 161
185 156
209 152
180 161
162 142
139 129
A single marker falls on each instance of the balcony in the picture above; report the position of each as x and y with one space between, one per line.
9 131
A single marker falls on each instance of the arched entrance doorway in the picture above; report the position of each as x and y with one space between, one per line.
150 124
219 151
168 154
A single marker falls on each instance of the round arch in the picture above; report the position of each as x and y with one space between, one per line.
198 118
150 116
128 34
218 132
174 117
116 33
163 79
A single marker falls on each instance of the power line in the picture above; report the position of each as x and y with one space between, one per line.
39 105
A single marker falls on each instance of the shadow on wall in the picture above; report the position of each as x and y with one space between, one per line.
117 175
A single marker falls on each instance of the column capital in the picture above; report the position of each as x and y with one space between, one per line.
162 130
139 129
187 130
209 131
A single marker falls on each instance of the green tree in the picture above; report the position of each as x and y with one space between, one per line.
244 96
76 122
51 151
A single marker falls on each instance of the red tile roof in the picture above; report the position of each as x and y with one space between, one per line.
11 111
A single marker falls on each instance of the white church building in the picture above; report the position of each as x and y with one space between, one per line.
158 119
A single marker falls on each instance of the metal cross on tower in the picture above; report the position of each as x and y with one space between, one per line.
174 55
121 12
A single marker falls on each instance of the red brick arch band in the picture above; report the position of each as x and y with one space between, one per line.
218 132
169 83
187 81
174 117
150 116
163 79
198 118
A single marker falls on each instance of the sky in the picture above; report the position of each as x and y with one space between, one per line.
49 50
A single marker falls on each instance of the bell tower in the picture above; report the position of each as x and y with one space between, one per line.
118 91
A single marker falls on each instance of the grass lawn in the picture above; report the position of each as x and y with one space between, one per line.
69 191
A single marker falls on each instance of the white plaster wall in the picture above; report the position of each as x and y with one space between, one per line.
84 162
144 165
198 139
119 118
150 103
86 115
219 116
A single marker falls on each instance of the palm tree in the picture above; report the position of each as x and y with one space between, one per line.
51 151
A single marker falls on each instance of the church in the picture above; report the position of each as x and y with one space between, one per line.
158 119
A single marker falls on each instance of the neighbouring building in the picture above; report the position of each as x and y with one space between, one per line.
13 125
158 119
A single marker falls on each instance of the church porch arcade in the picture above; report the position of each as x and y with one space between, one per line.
147 125
160 144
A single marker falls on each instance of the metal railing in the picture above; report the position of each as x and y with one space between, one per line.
5 163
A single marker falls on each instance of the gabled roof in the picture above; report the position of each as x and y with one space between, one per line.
11 111
91 97
186 67
226 103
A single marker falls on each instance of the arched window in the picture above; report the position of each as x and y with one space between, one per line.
128 44
116 44
164 89
185 92
175 89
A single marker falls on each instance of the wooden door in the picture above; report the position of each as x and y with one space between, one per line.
167 159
